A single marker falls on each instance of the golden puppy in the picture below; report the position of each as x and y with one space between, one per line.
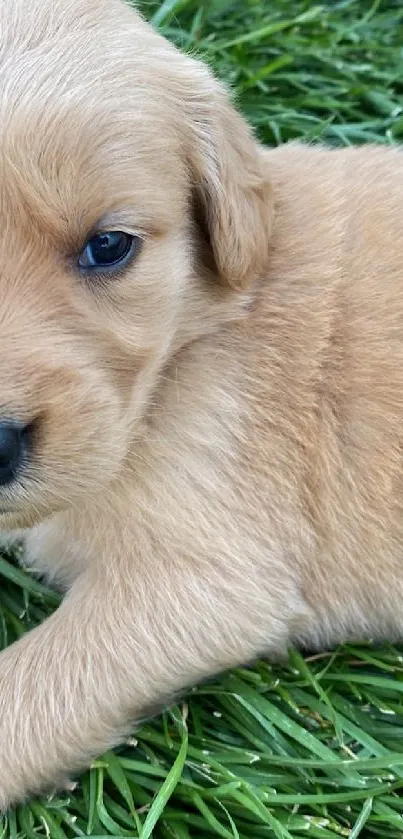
201 409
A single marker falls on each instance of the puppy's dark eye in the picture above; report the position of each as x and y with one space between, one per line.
109 250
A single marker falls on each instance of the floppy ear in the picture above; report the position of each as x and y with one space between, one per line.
230 180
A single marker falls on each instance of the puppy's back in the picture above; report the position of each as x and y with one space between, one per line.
324 383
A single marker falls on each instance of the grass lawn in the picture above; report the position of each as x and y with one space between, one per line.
314 748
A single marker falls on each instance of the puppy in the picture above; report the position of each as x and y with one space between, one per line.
201 382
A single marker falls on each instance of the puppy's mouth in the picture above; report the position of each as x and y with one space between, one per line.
9 506
8 514
16 519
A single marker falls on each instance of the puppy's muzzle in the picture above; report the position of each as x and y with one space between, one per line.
14 444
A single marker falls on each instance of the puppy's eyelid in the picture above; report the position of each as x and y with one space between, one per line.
120 226
101 229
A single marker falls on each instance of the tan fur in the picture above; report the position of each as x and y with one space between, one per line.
217 469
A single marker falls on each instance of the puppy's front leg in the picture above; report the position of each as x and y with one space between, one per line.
70 688
59 694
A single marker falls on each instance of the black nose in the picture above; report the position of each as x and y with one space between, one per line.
12 445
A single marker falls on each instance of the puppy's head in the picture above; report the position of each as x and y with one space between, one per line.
133 203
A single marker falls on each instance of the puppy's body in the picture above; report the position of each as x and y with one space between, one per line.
216 461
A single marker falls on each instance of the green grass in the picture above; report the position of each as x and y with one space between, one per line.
314 748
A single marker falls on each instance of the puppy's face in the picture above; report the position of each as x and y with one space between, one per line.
109 140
